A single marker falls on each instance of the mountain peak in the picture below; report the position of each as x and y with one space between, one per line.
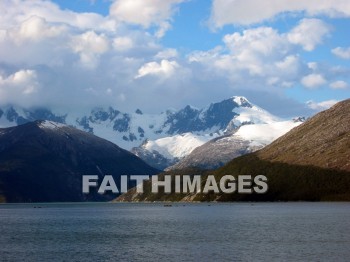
241 101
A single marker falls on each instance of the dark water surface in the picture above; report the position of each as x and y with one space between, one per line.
182 232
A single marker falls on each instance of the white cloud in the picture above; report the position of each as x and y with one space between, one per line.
18 86
24 80
146 13
165 68
90 46
339 84
163 28
255 56
59 45
262 40
203 56
90 42
246 12
312 65
251 50
313 80
288 63
342 52
130 64
35 29
309 33
263 55
14 12
167 54
123 43
320 106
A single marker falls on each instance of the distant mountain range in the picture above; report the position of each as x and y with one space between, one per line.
164 139
310 163
44 161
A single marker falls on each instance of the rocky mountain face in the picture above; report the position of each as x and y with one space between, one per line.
242 128
159 139
131 129
309 163
215 153
12 116
243 140
44 161
154 158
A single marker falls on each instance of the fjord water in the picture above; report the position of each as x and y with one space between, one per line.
181 232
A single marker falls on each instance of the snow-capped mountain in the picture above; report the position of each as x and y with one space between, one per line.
245 139
166 137
253 128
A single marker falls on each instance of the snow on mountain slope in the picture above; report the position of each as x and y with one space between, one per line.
164 137
247 113
252 128
264 134
129 130
244 140
253 115
177 146
126 130
51 125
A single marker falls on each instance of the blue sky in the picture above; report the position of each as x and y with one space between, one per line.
290 57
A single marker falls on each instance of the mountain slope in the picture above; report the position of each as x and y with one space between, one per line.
164 152
221 119
323 141
45 161
309 163
243 140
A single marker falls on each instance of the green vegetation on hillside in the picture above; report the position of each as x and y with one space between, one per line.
286 183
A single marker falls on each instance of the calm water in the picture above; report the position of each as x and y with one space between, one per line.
194 232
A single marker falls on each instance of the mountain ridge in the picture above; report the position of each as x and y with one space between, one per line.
44 161
159 139
131 129
309 163
324 138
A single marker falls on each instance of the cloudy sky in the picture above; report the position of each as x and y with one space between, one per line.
289 56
